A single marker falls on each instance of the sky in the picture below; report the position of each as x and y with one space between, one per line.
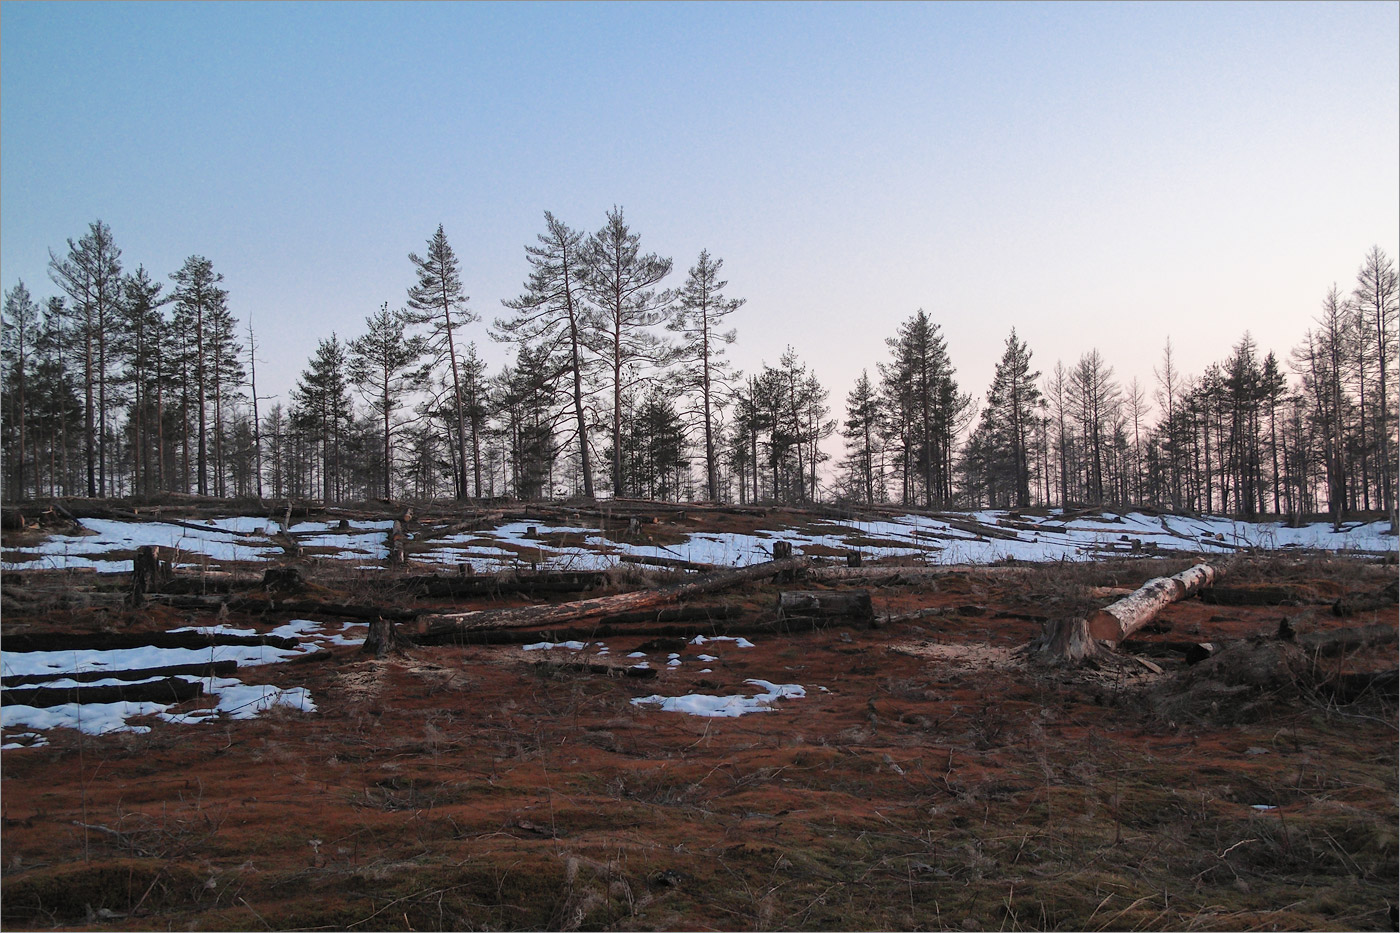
1095 176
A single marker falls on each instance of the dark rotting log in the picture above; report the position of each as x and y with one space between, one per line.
1367 602
170 690
678 614
283 580
564 581
515 636
823 604
538 616
608 670
205 669
1350 687
107 641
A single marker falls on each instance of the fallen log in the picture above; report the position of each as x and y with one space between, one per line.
563 581
891 575
1119 620
1255 594
447 623
673 563
822 604
1350 687
171 690
1366 602
266 603
107 641
678 614
595 632
584 667
1339 641
203 669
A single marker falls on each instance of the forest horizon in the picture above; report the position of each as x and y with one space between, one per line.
116 385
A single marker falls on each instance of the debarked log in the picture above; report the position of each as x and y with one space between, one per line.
1119 620
433 625
170 690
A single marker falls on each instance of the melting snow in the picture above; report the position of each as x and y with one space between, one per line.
235 699
702 704
550 645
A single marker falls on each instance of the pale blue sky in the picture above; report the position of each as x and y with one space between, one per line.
1093 175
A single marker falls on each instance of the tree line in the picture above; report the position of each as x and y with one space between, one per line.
124 383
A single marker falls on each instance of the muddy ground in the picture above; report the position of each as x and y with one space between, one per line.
935 775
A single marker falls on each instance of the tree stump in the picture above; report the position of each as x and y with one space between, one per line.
782 550
383 639
283 580
148 572
397 541
853 558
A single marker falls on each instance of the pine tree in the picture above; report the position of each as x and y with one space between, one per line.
90 276
1095 397
623 305
526 398
439 302
385 364
1377 300
197 298
142 341
1010 416
19 334
700 356
919 387
862 430
323 408
550 315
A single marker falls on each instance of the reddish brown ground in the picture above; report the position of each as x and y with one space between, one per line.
943 782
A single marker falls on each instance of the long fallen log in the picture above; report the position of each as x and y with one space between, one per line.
445 623
202 669
672 563
877 574
170 690
1119 620
107 641
824 604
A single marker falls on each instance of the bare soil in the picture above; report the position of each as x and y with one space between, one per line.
945 778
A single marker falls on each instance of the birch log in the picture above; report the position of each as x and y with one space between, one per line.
438 625
1119 620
